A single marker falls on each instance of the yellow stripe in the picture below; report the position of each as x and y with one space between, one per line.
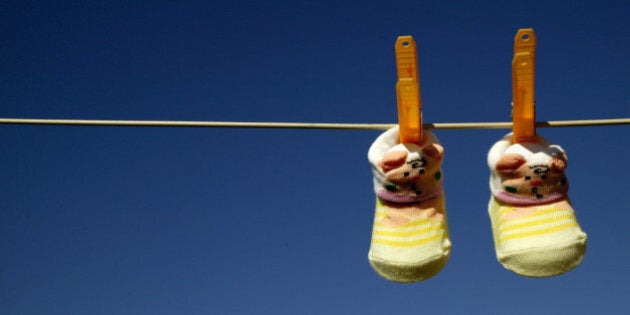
533 223
408 233
539 232
383 227
539 213
380 215
410 223
407 243
502 210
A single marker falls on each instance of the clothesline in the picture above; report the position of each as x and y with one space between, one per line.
302 125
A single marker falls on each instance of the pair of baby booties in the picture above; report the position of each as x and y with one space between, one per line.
536 233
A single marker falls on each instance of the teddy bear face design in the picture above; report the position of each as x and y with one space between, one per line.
413 174
533 181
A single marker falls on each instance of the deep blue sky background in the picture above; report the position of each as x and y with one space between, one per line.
105 220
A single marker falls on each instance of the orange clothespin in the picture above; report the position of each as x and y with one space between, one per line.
523 107
408 91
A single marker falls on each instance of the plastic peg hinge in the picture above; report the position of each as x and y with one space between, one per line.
408 91
523 106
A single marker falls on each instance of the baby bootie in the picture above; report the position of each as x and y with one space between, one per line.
536 233
410 240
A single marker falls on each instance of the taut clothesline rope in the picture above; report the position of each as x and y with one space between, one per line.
301 125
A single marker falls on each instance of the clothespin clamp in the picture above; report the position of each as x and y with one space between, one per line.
408 91
523 107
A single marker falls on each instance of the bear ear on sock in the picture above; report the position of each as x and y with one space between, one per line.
392 160
509 163
396 158
433 150
559 162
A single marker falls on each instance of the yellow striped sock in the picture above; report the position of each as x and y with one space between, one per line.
410 251
546 242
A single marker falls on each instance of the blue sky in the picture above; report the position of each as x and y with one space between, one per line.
105 220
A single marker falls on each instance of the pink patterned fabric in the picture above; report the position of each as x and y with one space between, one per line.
523 201
389 196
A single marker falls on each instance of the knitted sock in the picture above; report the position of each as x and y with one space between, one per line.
410 240
536 233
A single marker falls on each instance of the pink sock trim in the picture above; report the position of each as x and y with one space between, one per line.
520 201
389 196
